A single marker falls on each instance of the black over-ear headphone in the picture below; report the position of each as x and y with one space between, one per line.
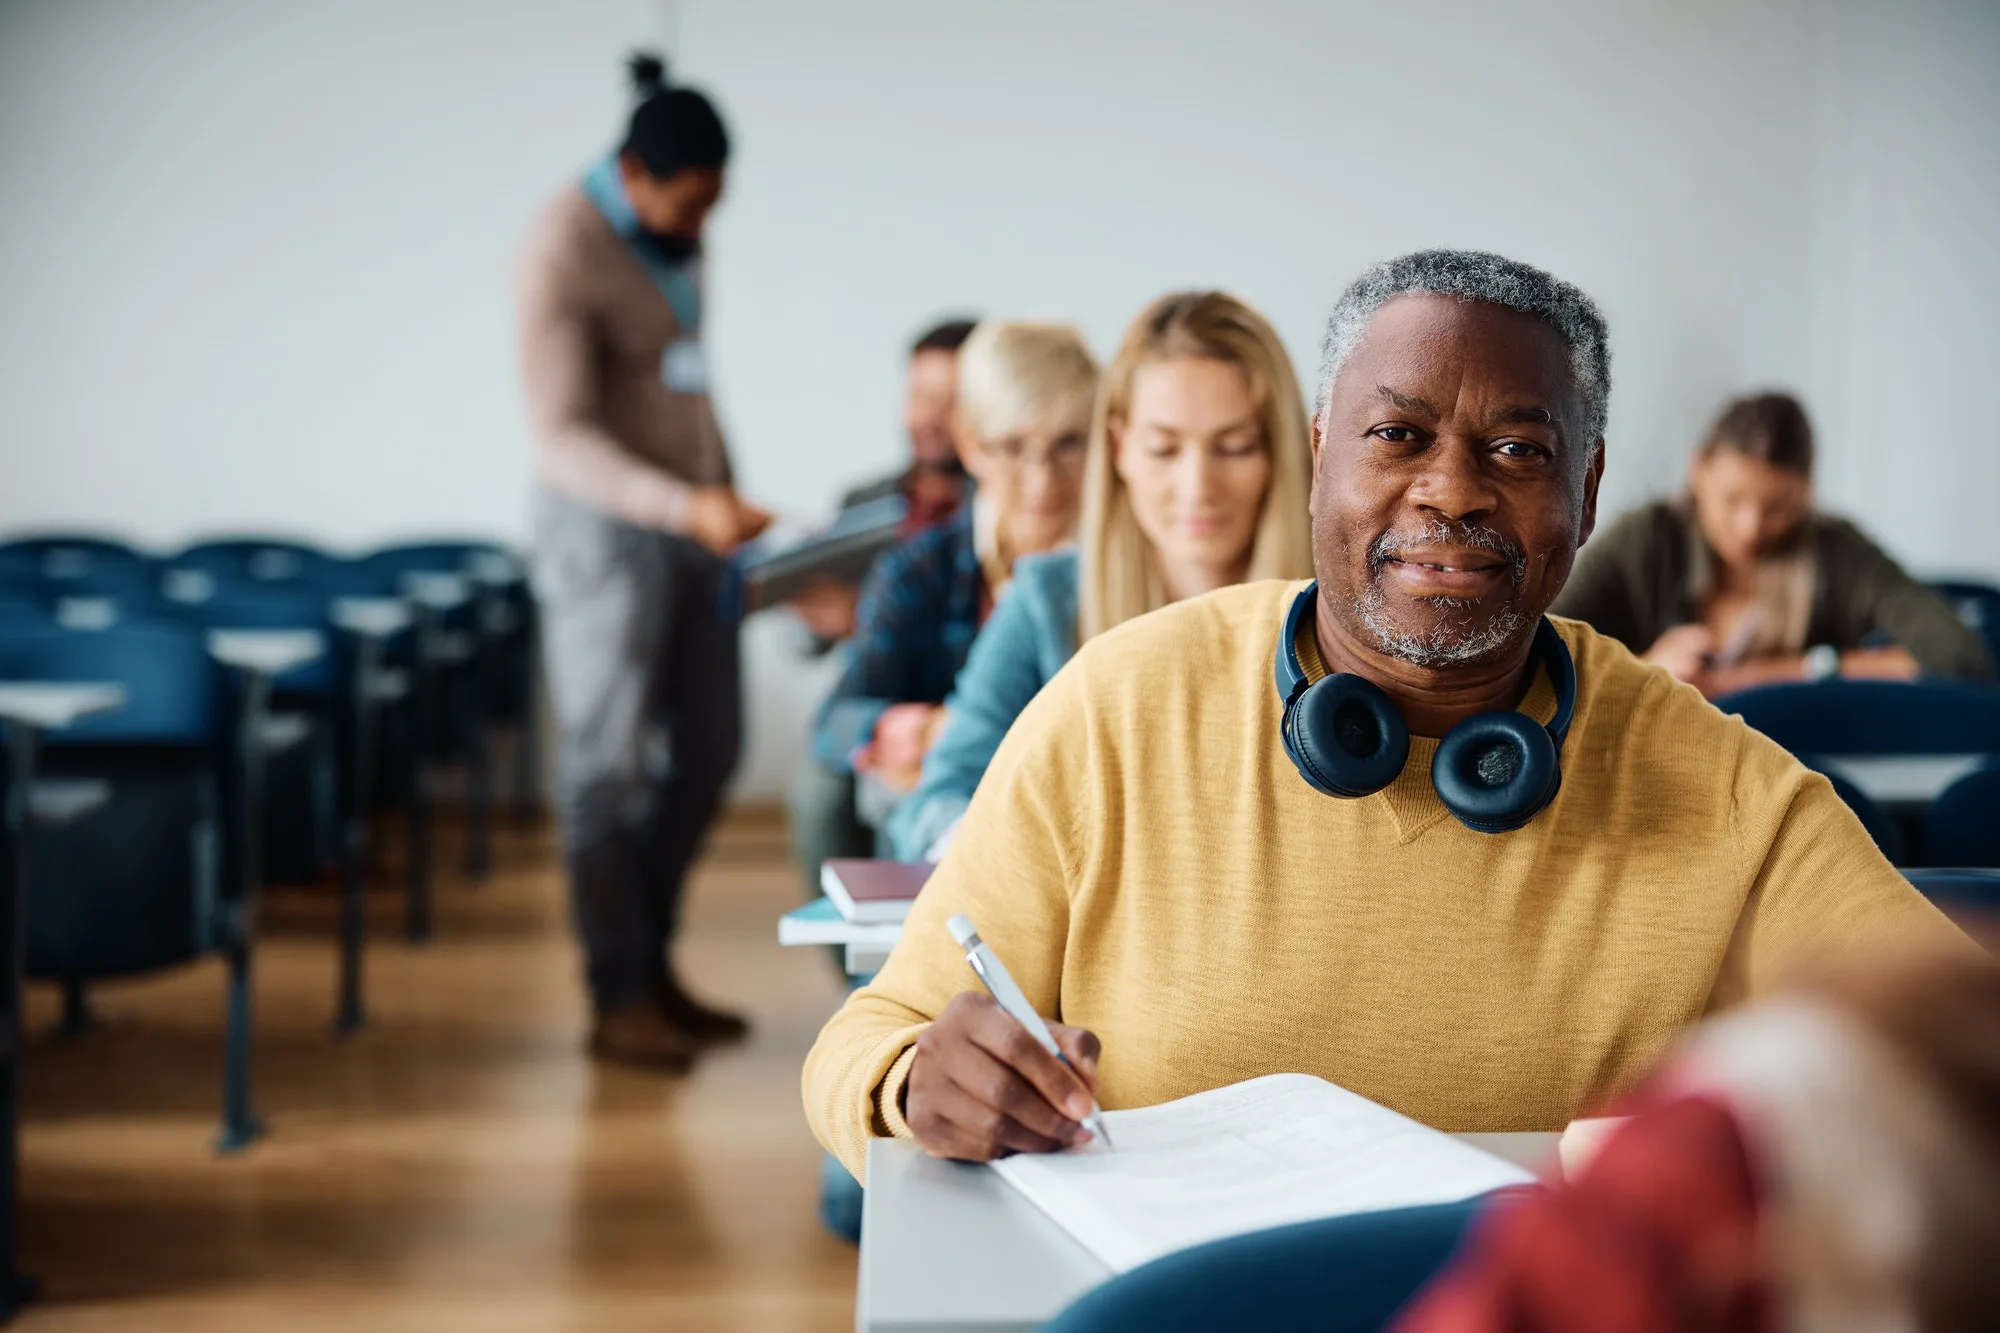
1495 771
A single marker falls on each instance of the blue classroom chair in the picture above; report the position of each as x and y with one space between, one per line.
68 556
482 662
1978 606
1873 817
149 882
1843 717
1962 826
1342 1275
1972 892
256 559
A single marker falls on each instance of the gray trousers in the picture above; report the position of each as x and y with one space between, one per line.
646 685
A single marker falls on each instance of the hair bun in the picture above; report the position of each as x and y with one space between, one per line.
648 73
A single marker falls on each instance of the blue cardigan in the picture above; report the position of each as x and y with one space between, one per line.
1026 640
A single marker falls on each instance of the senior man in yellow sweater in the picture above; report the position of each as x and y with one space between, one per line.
1160 875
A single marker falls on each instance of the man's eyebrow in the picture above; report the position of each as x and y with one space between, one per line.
1525 414
1405 401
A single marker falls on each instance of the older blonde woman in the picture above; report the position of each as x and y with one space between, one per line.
1025 392
1197 477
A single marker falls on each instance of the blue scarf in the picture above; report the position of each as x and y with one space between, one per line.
605 188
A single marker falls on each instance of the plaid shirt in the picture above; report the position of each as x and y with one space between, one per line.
919 611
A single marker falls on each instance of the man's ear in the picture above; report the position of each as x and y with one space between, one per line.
1318 438
1593 475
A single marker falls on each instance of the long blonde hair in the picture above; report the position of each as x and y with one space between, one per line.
1117 575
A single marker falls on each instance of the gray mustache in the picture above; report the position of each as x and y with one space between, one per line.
1444 532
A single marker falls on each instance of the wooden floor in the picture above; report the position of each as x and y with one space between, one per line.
458 1165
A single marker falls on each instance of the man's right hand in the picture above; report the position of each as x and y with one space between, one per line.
982 1088
719 519
1684 651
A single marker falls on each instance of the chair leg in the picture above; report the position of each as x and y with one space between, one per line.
240 1125
528 732
76 1016
417 846
348 1014
417 874
478 796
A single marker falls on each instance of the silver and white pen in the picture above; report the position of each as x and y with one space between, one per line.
993 973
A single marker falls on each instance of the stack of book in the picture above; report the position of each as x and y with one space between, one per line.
872 893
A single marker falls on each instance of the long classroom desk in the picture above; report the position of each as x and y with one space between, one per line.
949 1247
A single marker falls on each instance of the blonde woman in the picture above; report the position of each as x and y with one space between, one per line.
1025 392
1196 478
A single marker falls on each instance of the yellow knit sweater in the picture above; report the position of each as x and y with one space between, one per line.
1146 861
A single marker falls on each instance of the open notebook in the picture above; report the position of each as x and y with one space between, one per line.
1274 1150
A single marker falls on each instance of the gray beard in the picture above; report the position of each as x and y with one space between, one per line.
1453 641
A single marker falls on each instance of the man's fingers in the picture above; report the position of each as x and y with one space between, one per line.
1082 1048
964 1127
996 1032
996 1085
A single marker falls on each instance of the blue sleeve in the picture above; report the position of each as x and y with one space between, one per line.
892 619
1002 673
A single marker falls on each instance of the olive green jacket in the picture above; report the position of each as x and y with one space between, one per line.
1635 580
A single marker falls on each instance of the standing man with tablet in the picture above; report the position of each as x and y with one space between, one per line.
634 515
1394 828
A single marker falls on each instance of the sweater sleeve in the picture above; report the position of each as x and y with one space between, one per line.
1881 598
1011 869
1819 889
574 453
1001 674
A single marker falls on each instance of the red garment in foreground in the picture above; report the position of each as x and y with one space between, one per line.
1659 1236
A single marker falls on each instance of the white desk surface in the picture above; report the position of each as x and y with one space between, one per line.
949 1247
440 592
1904 778
54 801
266 651
372 617
51 704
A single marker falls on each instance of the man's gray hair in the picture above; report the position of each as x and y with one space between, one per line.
1474 275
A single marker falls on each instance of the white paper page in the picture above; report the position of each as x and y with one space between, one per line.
1274 1150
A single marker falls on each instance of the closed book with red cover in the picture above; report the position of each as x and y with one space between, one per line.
873 892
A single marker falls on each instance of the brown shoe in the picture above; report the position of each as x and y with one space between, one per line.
639 1034
705 1025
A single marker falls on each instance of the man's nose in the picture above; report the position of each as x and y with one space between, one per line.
1454 484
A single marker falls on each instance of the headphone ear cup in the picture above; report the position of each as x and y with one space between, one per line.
1345 737
1496 771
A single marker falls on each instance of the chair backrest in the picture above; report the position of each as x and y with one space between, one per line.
1969 891
260 559
1866 808
68 555
488 564
1840 717
1962 826
1978 605
175 693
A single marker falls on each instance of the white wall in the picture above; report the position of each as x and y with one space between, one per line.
253 259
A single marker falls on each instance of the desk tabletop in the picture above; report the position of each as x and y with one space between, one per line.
438 591
1904 779
949 1247
266 651
53 704
372 617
